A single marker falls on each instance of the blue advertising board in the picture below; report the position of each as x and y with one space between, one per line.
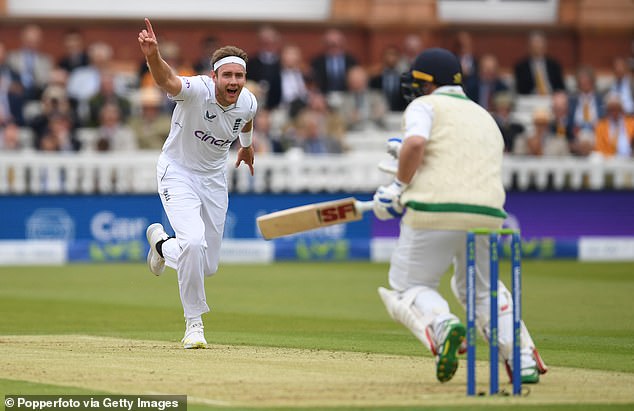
112 227
96 228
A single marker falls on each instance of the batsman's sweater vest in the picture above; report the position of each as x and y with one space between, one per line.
458 186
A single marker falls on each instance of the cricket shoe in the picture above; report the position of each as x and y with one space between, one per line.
532 367
452 333
530 375
194 336
154 234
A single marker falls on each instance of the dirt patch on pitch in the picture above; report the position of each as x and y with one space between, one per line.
262 376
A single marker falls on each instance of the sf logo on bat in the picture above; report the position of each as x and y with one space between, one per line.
336 213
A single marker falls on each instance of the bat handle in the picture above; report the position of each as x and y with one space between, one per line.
363 206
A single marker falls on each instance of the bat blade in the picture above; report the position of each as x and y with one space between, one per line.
308 217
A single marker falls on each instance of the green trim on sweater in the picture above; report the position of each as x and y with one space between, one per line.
460 96
456 208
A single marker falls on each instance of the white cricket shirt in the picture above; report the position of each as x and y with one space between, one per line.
419 117
202 131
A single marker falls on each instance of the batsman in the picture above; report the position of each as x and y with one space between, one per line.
447 181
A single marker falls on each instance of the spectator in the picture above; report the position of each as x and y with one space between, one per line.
33 65
538 73
511 129
11 91
207 47
54 102
388 81
313 94
60 135
10 141
84 82
562 125
615 132
310 134
107 95
333 121
151 126
317 101
542 141
486 83
112 134
263 140
361 107
56 87
412 46
293 84
75 55
58 78
623 84
330 68
10 136
465 53
585 106
264 67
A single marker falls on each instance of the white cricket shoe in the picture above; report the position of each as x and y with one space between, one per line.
154 234
194 336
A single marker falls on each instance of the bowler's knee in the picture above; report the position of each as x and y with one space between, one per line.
192 245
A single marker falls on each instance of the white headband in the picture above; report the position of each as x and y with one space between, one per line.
229 59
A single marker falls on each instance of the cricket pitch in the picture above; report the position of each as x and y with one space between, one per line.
231 376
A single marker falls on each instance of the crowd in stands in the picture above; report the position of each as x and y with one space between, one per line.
307 103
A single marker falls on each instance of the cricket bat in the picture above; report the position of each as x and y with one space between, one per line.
311 216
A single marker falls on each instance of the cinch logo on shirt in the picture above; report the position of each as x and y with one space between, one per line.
203 136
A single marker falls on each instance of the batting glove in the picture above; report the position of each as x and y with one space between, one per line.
387 201
394 147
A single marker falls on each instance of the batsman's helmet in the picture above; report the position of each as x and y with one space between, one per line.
435 65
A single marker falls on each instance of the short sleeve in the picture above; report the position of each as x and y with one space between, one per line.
191 87
253 109
418 119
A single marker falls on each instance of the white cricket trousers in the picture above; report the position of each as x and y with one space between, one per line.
422 257
196 206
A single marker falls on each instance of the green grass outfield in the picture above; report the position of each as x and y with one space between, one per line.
580 315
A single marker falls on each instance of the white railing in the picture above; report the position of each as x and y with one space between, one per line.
86 173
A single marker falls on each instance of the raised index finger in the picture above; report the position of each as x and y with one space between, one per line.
149 27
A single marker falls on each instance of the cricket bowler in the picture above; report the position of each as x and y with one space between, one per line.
212 111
